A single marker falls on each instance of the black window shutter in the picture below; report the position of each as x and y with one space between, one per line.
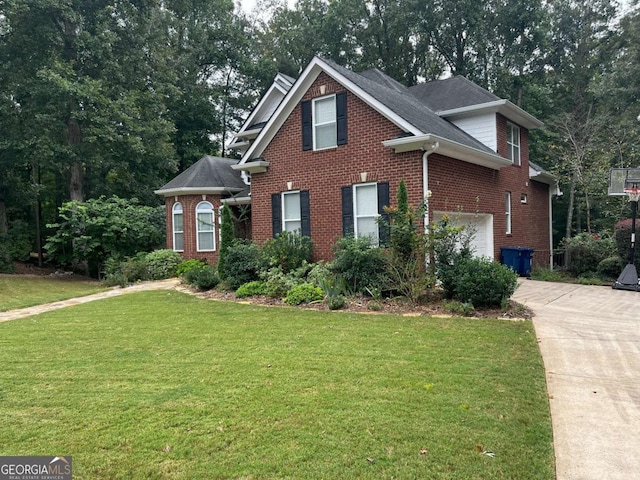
305 213
307 126
276 213
341 117
347 212
383 201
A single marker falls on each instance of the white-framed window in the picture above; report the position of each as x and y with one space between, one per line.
291 212
523 198
365 211
205 227
178 227
324 122
513 143
507 211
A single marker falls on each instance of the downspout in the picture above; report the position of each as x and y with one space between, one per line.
427 148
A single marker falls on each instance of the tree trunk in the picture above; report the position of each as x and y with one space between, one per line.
588 212
4 223
74 138
572 195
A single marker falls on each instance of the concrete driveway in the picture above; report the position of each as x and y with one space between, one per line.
590 342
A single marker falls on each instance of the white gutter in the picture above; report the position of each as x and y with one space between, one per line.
168 192
449 148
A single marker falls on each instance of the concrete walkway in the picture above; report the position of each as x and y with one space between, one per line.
47 307
590 342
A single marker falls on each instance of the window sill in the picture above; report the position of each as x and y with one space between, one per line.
324 149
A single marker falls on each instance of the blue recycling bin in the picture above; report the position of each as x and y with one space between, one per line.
518 259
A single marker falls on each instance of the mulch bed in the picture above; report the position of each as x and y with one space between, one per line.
434 306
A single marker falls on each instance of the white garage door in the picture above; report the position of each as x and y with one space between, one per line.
482 223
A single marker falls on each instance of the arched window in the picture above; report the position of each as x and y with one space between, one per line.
205 227
178 228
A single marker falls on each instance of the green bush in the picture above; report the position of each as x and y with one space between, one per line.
611 267
484 283
242 263
125 271
227 239
305 293
548 275
459 308
202 278
278 283
361 265
17 242
251 289
186 265
318 273
162 264
336 303
87 233
449 247
288 250
586 251
6 262
622 237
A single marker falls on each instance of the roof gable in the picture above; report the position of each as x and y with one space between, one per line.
383 94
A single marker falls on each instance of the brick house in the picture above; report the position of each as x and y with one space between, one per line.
325 153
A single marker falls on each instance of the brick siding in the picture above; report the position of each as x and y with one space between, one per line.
456 185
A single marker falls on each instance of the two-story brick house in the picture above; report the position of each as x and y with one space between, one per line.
325 154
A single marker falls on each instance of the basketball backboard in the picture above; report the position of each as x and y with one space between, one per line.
619 176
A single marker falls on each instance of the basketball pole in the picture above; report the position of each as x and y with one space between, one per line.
634 214
628 279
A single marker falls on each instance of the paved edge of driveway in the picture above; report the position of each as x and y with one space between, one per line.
16 314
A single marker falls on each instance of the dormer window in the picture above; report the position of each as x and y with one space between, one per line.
324 122
513 143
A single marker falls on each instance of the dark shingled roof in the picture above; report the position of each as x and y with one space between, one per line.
405 105
209 172
455 92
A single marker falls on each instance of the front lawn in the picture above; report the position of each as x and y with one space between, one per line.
20 292
165 385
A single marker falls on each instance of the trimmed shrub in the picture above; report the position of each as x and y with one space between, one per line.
611 267
251 289
361 265
187 265
288 251
203 278
305 293
162 264
336 303
586 251
242 264
484 283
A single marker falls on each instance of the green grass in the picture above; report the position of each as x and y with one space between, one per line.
164 385
20 292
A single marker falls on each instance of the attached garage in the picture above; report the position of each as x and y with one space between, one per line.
481 223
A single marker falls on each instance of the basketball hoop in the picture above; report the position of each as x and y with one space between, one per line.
633 193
